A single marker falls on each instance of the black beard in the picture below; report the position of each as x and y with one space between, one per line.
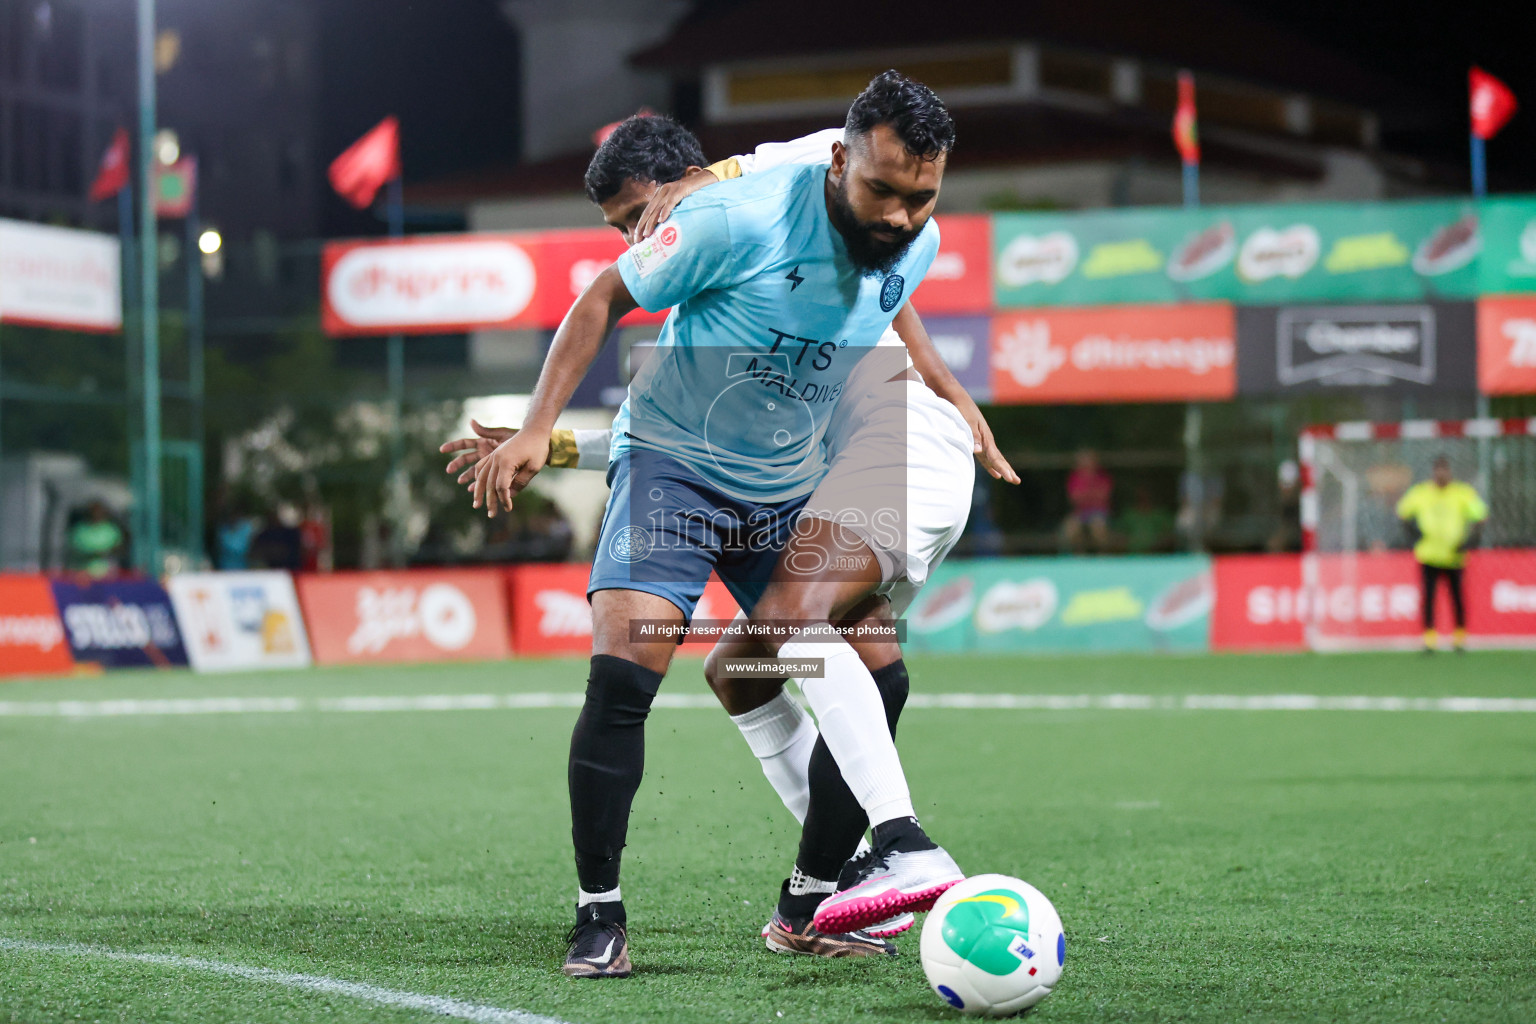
871 256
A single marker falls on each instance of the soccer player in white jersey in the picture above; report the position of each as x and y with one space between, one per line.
888 425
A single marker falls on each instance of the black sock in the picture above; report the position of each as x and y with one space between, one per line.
902 835
834 821
797 910
894 686
606 763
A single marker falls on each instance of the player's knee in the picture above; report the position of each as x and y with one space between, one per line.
619 692
788 607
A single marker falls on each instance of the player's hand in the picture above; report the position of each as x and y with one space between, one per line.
665 199
472 449
500 476
984 445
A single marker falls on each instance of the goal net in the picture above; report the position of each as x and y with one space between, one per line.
1362 583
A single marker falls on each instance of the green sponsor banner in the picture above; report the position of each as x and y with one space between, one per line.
1508 263
1155 603
1262 255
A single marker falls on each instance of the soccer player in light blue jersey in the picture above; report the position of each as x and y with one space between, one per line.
780 284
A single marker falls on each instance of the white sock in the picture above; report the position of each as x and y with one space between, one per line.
782 736
801 883
852 719
583 897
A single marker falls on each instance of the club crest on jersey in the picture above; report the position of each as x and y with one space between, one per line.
890 292
656 250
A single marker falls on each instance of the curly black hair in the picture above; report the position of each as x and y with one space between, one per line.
909 108
649 148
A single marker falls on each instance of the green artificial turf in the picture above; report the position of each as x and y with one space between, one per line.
1208 865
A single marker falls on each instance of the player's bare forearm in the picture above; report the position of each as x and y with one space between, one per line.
926 359
501 476
580 337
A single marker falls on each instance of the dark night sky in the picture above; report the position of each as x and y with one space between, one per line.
449 69
1428 48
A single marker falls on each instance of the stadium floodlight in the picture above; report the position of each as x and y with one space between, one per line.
209 242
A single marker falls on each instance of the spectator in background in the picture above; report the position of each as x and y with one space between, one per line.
1200 502
279 545
1145 527
233 541
315 540
1444 518
1088 489
96 542
1287 535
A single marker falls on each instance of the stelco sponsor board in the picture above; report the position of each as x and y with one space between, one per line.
120 623
1506 346
428 284
240 620
1115 354
414 615
1065 604
59 277
31 635
1246 254
1417 347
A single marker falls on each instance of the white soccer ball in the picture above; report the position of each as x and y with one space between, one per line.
993 946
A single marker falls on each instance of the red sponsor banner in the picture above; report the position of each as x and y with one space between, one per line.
1506 346
1115 354
1267 602
550 613
960 279
568 261
429 284
1501 596
31 635
411 615
1259 603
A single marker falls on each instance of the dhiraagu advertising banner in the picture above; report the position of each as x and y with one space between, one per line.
1508 263
1153 603
1274 254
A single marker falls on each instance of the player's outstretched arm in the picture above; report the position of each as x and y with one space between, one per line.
507 470
909 327
806 150
568 449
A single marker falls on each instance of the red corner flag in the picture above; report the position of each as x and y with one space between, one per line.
112 175
1185 134
367 164
1492 104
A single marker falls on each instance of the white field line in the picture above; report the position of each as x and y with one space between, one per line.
442 1006
983 701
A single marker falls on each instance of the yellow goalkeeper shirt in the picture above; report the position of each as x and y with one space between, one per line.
1444 515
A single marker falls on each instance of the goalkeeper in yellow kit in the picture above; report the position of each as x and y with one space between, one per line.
1444 518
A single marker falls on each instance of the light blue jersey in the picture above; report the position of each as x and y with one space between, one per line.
769 317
